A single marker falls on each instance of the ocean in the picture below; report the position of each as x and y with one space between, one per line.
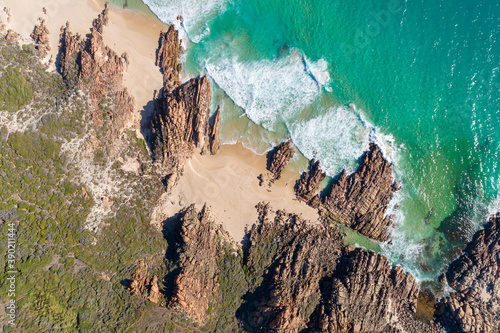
420 78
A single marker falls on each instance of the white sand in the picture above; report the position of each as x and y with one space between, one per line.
228 183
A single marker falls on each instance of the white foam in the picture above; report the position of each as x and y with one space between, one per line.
268 91
336 137
319 72
195 14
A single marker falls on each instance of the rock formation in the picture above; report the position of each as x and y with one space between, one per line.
308 184
167 58
199 243
99 71
214 133
41 37
12 35
359 200
143 285
311 279
180 121
279 157
295 255
475 276
365 295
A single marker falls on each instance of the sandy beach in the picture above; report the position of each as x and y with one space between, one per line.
128 31
227 182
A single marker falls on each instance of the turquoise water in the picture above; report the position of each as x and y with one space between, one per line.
421 78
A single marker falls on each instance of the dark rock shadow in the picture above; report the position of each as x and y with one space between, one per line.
145 123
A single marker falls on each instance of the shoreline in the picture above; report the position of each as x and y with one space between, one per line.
227 187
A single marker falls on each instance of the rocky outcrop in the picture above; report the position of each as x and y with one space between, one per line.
311 280
365 295
307 186
11 35
180 121
40 36
99 71
475 276
359 200
295 255
214 132
144 285
167 58
199 243
279 157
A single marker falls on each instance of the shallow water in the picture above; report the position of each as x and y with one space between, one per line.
421 78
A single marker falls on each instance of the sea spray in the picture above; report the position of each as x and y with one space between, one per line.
190 16
268 91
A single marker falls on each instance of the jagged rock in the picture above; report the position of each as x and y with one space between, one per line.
214 132
199 244
99 71
308 184
180 120
365 295
359 200
475 275
8 14
167 57
101 21
41 36
296 255
12 36
143 285
279 157
362 199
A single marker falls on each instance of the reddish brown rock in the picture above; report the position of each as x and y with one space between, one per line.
199 244
475 276
167 57
101 21
279 157
295 256
99 71
12 36
41 37
359 200
143 285
307 186
365 295
180 121
214 132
